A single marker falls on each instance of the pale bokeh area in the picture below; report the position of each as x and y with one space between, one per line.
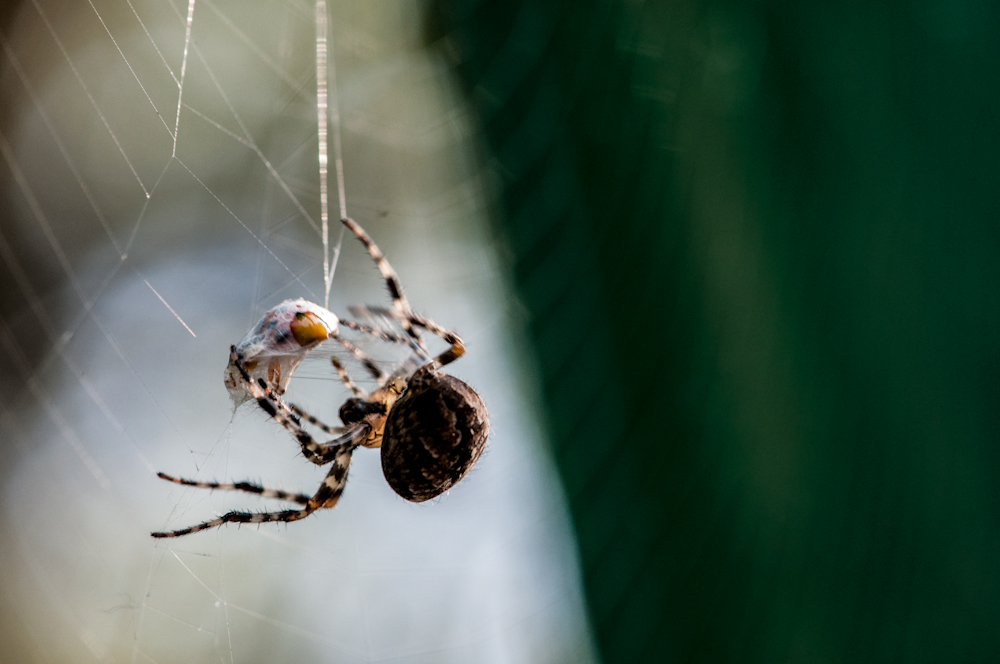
104 385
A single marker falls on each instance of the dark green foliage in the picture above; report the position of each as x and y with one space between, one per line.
760 247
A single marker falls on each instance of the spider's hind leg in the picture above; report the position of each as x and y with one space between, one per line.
248 487
326 497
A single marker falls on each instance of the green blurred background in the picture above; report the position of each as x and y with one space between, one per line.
758 243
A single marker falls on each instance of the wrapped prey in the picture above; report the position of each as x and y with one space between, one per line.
276 345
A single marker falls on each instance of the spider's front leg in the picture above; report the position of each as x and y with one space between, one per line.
399 302
247 487
316 452
456 345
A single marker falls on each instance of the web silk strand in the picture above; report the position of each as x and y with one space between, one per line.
321 123
180 84
338 160
327 102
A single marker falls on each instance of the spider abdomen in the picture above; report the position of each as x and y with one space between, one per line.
434 434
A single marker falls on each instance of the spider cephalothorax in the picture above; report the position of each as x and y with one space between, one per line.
431 427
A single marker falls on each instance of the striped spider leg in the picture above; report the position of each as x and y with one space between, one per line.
399 301
432 431
431 427
337 451
401 311
276 346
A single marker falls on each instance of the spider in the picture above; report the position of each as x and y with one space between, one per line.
431 427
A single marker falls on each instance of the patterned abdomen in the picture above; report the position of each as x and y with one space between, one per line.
434 434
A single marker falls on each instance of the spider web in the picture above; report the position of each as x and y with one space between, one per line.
168 169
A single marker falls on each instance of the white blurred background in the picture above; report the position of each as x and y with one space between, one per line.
130 262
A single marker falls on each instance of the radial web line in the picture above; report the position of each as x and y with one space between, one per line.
137 633
39 215
184 61
16 65
93 102
299 90
277 623
46 227
51 589
57 248
13 351
129 65
283 285
167 305
225 605
215 124
289 627
120 352
145 206
245 227
306 249
59 344
275 226
189 496
148 658
338 155
258 273
261 55
252 144
196 628
324 202
153 42
294 154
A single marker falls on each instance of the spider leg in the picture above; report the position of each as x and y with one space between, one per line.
326 428
348 382
391 280
318 453
345 378
381 378
457 346
329 450
384 335
363 357
248 487
327 496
